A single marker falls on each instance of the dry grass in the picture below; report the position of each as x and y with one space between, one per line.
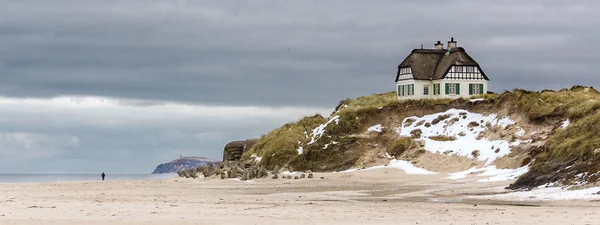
574 145
280 146
399 146
442 138
371 101
416 133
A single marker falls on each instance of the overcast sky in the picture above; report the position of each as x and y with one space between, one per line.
121 86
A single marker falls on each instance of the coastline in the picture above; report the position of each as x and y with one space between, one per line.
8 178
378 196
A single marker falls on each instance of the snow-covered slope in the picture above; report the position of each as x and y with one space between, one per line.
465 128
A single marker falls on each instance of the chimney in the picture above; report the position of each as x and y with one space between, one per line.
438 45
451 43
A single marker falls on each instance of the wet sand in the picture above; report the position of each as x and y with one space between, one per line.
382 196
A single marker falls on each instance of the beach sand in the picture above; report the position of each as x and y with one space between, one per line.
381 196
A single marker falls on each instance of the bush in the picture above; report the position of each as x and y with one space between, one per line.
439 119
442 138
416 133
398 146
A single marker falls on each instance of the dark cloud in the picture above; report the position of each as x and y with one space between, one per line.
237 52
153 53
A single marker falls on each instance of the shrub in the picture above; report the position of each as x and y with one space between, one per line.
440 118
475 153
398 146
409 122
442 138
420 123
473 124
416 133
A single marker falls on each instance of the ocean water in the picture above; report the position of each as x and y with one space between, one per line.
49 178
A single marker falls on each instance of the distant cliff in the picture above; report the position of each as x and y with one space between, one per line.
182 163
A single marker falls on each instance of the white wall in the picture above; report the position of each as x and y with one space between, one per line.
464 87
419 84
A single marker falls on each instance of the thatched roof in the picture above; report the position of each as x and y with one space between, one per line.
433 64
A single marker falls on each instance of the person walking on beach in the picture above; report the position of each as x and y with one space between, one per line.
103 175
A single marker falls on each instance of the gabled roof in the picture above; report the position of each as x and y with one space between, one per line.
432 64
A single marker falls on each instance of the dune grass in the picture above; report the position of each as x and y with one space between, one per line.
279 146
398 146
339 148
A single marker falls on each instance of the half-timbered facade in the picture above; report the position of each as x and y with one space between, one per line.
440 73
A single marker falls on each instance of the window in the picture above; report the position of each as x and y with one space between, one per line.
399 90
409 90
470 69
452 89
459 69
475 89
405 70
426 90
436 89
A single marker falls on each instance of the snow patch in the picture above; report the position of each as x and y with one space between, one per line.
256 158
376 128
465 127
300 150
291 173
547 194
405 166
565 124
476 100
521 132
318 132
492 173
503 174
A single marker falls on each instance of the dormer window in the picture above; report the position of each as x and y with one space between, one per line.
405 70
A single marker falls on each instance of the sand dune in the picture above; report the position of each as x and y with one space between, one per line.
378 196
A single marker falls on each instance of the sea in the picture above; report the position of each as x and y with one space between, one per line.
53 178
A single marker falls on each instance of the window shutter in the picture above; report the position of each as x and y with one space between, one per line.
457 89
447 89
470 89
480 89
398 90
402 87
413 89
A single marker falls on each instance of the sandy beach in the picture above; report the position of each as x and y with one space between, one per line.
380 196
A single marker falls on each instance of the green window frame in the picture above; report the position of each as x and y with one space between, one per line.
472 89
402 89
452 87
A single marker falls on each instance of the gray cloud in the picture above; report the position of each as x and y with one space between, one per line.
146 54
89 134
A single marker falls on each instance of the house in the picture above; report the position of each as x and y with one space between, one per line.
440 73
